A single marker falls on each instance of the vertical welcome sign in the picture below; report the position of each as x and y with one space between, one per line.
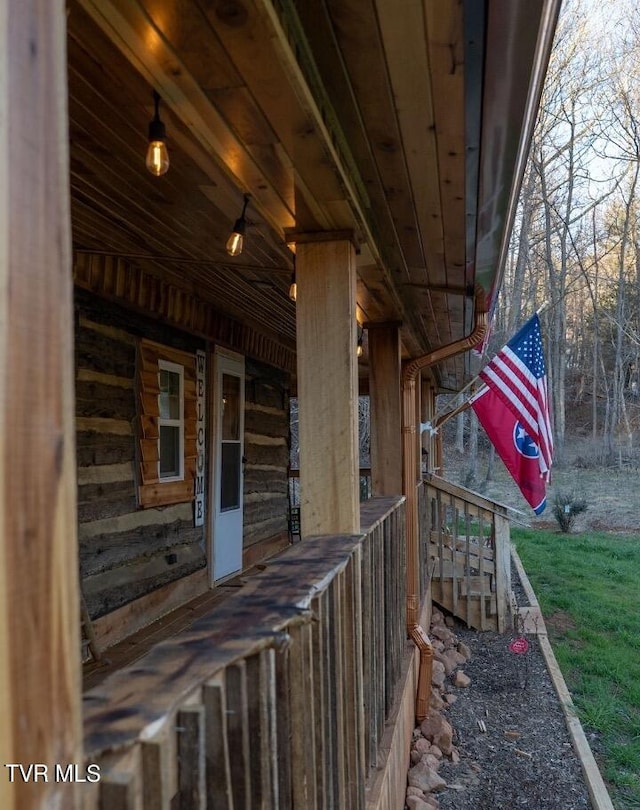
200 436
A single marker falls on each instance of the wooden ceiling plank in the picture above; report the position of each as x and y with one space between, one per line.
184 24
403 31
360 46
383 165
110 75
332 144
128 25
445 34
121 170
187 29
267 79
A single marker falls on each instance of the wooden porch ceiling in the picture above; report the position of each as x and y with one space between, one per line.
405 120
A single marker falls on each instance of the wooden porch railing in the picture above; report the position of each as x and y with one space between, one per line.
468 553
278 699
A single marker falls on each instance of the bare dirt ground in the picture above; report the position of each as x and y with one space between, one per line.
525 757
611 493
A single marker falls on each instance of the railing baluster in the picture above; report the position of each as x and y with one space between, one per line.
283 730
454 567
301 686
121 782
156 772
388 620
270 747
218 768
484 581
117 792
238 725
336 593
502 563
259 688
191 759
368 657
395 602
352 613
440 540
378 612
323 739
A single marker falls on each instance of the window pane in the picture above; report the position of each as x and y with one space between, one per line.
169 451
230 408
169 399
230 478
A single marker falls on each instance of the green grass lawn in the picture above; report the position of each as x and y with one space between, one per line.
588 586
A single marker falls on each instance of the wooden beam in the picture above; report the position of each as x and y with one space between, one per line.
328 387
150 294
386 411
39 604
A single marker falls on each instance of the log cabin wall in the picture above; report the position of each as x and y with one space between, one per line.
266 449
127 551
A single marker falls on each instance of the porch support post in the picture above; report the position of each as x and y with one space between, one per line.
40 690
427 412
386 408
327 384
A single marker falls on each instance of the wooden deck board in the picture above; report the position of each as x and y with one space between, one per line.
133 648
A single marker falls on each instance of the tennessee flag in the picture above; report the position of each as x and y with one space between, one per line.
517 450
514 411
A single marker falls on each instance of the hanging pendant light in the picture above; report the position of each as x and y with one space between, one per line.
157 156
293 287
235 242
360 347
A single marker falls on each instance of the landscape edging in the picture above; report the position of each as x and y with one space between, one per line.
598 792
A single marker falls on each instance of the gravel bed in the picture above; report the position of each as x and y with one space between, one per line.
509 730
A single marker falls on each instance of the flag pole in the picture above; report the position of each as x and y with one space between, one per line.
439 421
441 416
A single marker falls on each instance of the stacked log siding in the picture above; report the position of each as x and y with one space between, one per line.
127 551
266 425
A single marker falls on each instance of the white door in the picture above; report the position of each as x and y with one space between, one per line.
227 462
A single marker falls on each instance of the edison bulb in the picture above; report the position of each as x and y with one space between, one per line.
234 244
157 158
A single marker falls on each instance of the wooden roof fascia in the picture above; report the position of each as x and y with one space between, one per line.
413 98
500 100
474 50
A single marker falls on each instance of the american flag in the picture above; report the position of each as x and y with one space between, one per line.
517 375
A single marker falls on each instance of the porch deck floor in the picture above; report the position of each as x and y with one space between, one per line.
135 646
